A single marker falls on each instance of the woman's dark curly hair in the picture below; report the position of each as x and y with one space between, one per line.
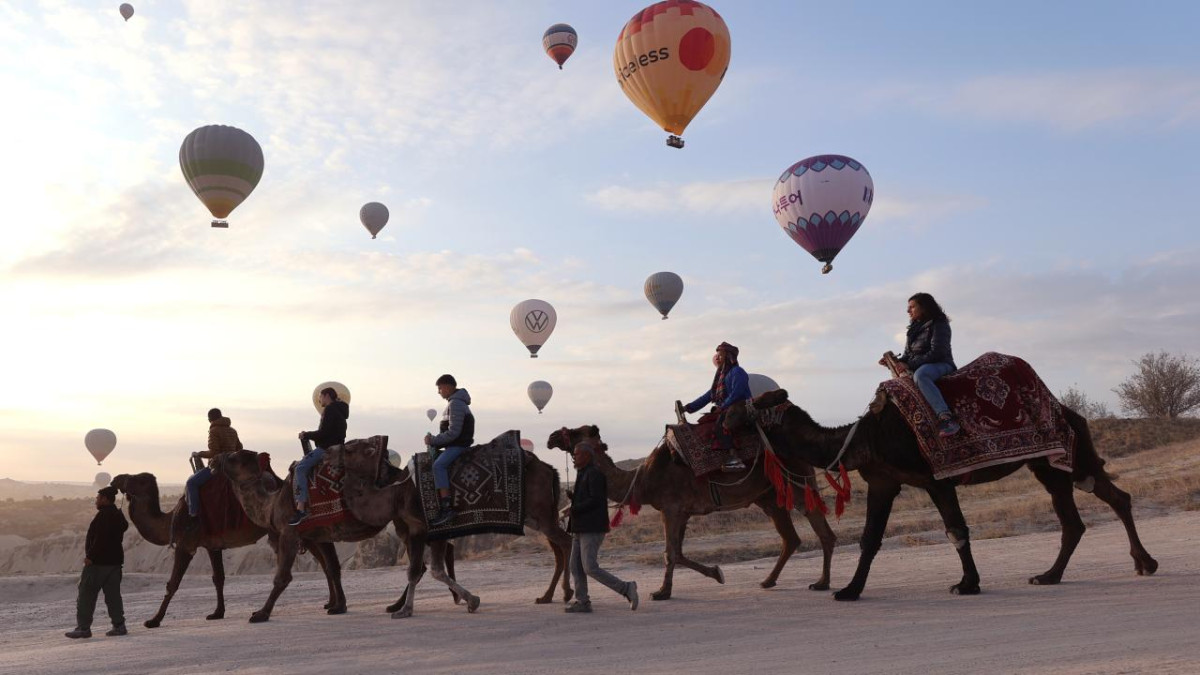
929 307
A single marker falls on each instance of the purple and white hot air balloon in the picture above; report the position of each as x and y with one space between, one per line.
820 202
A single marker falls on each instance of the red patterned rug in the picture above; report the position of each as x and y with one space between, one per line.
697 445
220 511
325 505
1006 412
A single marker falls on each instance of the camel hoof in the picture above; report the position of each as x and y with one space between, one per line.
327 605
153 623
819 586
846 595
543 601
259 617
964 589
214 616
1147 568
1044 580
393 608
768 584
719 575
457 599
472 603
568 594
660 595
402 613
336 610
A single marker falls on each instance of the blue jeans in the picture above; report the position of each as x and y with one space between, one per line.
193 489
300 482
441 466
925 377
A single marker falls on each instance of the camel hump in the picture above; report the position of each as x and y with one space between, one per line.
771 399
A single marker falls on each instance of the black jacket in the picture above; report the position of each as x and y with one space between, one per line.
333 426
589 502
104 537
928 342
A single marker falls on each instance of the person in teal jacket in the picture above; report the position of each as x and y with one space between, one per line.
730 385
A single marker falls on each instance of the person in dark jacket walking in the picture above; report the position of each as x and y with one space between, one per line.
456 434
103 557
927 356
331 432
730 385
589 524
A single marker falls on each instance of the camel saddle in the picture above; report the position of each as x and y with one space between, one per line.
1006 412
325 504
220 510
696 444
487 487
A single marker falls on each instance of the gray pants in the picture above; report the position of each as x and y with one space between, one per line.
584 549
94 579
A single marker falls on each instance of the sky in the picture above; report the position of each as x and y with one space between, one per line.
1032 164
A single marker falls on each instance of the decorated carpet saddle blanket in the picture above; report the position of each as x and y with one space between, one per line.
1006 412
220 510
487 488
325 504
697 445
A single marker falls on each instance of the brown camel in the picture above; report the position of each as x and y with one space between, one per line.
672 488
400 503
269 505
885 452
155 527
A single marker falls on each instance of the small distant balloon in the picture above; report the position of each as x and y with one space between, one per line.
559 41
431 413
342 392
126 10
820 202
100 443
527 445
533 321
102 479
540 393
394 459
761 384
222 165
663 290
373 216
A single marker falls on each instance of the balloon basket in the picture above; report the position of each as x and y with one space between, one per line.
827 268
221 224
664 318
674 141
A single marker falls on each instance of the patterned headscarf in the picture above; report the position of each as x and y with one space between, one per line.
718 385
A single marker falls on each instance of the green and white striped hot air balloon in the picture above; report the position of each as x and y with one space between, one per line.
222 165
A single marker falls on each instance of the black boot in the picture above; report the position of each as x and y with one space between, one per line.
445 512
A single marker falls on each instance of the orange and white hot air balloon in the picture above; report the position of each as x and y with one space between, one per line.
669 60
560 41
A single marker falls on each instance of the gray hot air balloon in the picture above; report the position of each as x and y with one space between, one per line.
102 479
761 384
540 393
100 442
431 413
663 290
222 165
373 216
126 10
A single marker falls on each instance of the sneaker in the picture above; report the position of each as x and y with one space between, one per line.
117 631
79 633
442 517
947 427
733 465
579 608
631 594
298 518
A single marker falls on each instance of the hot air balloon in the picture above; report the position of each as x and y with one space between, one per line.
663 290
342 392
431 413
540 393
373 216
559 42
669 60
126 10
527 445
222 165
820 202
533 321
394 459
102 479
761 384
100 442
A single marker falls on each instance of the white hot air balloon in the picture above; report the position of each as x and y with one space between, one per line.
100 442
342 392
540 393
820 202
394 459
526 445
222 165
373 216
431 413
761 384
533 321
102 479
663 290
126 10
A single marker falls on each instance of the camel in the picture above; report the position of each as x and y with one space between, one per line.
885 453
672 488
155 527
400 503
269 504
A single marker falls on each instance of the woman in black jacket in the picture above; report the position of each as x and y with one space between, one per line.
927 356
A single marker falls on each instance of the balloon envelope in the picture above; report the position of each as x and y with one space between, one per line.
669 60
100 442
820 202
102 479
342 392
126 10
663 290
761 384
222 165
540 393
394 459
527 445
559 41
431 413
373 216
533 321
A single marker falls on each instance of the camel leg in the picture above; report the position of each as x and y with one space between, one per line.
333 576
675 528
554 538
789 540
880 495
1122 504
182 560
416 567
820 526
438 571
318 554
217 560
945 498
1058 484
285 557
450 570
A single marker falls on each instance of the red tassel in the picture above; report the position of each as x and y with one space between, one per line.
840 485
634 505
618 518
812 501
785 497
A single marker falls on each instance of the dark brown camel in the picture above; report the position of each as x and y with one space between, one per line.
672 488
270 505
400 503
885 452
155 527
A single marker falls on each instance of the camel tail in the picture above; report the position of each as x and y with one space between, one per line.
1088 462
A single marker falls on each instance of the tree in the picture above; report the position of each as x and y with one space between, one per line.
1165 385
1078 401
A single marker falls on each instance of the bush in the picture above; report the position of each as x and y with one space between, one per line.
1164 386
1078 401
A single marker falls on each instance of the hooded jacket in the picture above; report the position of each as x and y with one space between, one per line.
458 424
927 342
222 437
104 537
332 430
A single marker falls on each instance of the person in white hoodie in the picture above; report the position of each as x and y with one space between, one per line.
457 433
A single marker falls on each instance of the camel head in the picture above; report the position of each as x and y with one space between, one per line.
740 414
238 466
565 439
355 457
139 485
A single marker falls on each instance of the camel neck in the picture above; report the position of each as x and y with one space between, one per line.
148 518
619 480
255 499
818 445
